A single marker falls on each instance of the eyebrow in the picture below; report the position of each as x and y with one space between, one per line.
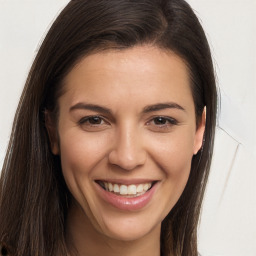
161 106
92 107
107 111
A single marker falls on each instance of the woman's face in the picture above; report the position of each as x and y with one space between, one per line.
126 137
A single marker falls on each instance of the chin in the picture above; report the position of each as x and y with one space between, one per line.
126 234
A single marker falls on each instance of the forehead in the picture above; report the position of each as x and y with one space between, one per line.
140 72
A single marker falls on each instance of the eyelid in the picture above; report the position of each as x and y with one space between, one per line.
86 118
167 127
171 120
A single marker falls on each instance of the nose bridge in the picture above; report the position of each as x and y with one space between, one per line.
128 151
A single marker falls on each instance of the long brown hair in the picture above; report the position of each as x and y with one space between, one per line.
33 194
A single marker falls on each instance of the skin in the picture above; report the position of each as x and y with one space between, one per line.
128 143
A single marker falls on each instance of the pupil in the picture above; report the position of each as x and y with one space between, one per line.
160 120
94 120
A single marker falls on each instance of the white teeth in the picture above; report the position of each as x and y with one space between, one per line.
123 190
116 188
127 190
145 187
140 188
110 187
131 190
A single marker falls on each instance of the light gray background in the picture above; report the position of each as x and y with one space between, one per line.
228 221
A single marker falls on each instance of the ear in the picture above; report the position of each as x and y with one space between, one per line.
199 137
52 132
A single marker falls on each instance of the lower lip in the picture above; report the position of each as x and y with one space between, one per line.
124 203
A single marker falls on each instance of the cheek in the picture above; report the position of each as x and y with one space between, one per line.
80 154
176 163
173 153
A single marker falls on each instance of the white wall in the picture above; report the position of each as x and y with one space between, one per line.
23 24
228 223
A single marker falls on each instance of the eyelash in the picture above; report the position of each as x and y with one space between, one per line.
164 122
168 119
88 118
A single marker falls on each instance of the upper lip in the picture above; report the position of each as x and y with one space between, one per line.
127 182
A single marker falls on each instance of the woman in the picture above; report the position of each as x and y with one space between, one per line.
111 144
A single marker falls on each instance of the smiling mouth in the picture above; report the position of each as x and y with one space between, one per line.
132 190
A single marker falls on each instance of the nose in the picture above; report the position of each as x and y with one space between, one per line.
128 151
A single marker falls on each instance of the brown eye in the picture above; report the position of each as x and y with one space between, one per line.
161 124
91 120
94 120
93 123
161 121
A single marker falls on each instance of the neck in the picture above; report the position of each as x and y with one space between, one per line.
84 240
